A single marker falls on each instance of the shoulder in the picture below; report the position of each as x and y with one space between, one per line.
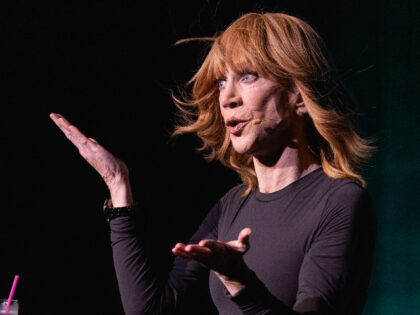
348 194
345 200
341 191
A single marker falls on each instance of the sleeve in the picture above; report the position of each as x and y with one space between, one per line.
256 299
141 291
335 272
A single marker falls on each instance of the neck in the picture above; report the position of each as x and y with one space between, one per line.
290 163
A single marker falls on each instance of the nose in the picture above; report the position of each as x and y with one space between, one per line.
229 96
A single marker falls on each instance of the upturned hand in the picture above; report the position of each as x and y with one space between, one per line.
223 258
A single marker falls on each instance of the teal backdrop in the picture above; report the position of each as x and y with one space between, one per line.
393 178
378 44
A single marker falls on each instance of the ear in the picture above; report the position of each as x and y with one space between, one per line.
300 107
297 102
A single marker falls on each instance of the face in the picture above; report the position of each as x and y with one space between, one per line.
257 112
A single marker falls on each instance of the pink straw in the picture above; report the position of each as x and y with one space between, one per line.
12 292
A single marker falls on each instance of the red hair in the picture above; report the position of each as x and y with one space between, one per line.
284 49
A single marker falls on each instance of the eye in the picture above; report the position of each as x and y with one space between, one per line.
220 83
249 76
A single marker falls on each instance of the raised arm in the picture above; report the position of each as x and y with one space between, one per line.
140 290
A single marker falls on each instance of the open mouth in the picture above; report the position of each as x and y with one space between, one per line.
235 126
233 123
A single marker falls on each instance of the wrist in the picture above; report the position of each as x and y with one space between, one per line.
233 286
111 212
120 192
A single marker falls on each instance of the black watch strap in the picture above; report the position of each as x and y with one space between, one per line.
111 213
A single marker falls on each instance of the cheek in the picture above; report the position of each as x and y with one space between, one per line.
271 101
281 108
275 115
221 110
275 108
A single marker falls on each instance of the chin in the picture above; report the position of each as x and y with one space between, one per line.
242 147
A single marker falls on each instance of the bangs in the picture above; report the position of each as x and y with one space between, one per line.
237 58
242 47
234 49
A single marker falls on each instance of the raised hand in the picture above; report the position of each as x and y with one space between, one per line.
112 170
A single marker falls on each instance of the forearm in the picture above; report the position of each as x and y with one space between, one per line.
142 291
137 281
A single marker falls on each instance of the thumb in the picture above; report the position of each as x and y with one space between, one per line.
243 239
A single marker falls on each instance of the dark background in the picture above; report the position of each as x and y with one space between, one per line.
108 67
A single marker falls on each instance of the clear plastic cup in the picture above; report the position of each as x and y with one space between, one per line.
13 309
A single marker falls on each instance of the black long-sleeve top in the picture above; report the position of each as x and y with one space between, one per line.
311 251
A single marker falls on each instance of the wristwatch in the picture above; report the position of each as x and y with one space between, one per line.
111 213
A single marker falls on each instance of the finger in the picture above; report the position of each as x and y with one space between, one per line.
191 252
52 115
197 250
81 141
73 133
181 253
243 238
64 127
180 246
60 121
55 116
57 119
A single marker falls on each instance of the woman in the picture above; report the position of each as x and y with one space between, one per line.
267 104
